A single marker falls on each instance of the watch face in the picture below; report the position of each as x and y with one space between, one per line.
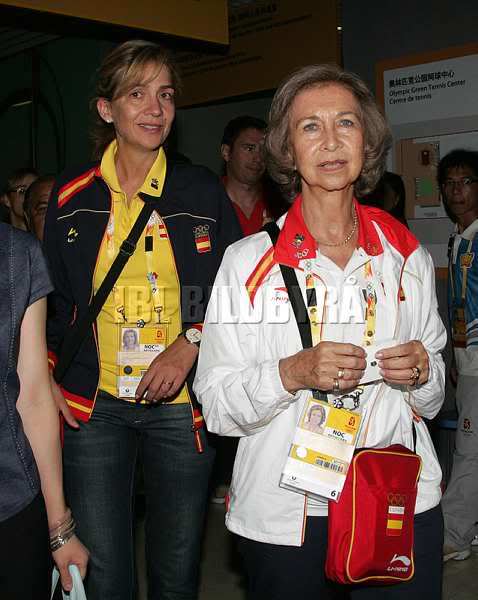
193 335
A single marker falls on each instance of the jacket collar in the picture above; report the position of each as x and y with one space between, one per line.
171 201
154 181
469 232
296 243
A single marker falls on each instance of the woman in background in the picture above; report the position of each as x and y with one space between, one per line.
36 203
389 194
13 196
34 519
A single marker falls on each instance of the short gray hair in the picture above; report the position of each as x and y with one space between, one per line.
377 136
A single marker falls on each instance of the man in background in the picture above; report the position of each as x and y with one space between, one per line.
254 196
256 200
458 180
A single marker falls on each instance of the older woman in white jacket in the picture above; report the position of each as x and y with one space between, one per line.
326 144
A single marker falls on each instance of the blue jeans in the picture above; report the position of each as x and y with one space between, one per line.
99 474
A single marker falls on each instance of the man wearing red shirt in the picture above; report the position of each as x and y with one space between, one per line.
241 148
256 200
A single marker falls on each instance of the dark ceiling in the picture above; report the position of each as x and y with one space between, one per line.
13 41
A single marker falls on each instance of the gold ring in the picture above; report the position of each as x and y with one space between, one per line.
415 374
336 386
340 374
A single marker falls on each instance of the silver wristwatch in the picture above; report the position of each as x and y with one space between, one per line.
193 335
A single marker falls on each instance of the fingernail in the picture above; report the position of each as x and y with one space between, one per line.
379 354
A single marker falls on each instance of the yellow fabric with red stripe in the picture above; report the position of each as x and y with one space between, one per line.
131 299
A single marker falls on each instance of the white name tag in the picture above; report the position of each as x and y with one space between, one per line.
321 450
139 346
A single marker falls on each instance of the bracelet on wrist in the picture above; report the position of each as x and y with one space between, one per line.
62 531
61 540
60 522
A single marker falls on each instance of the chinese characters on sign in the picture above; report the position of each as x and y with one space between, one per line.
436 90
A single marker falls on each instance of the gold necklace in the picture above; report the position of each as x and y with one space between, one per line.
347 238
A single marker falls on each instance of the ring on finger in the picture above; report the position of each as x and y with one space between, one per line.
336 386
415 374
340 374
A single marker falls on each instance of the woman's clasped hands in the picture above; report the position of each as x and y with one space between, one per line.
339 367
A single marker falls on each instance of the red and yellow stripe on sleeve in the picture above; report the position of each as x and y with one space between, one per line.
259 274
66 192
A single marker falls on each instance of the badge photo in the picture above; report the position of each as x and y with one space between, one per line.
321 450
466 260
138 347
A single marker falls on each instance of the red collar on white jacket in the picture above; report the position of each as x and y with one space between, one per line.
295 241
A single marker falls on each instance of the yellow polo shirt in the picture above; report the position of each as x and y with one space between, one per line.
144 306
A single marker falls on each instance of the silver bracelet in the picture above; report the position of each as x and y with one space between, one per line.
62 537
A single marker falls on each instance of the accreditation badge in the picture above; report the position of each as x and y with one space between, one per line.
466 260
321 450
138 346
458 327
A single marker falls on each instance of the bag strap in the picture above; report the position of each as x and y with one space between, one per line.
74 339
293 289
295 298
300 311
414 433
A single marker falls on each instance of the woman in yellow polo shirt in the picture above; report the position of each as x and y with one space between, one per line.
129 388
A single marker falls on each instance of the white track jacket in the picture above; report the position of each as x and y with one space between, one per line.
238 380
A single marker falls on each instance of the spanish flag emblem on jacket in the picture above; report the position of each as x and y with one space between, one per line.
202 239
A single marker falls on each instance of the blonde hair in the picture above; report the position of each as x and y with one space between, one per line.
120 70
